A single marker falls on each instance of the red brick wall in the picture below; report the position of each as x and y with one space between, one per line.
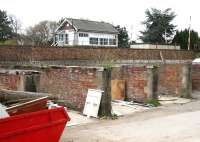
70 84
196 77
169 80
8 53
9 81
170 77
135 79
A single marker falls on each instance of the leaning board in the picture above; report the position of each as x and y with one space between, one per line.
92 102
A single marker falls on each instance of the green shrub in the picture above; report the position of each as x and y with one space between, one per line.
9 42
153 102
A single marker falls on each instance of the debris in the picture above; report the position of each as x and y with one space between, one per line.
130 104
117 113
3 112
51 105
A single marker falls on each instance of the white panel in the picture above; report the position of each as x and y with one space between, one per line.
101 35
92 102
83 40
70 37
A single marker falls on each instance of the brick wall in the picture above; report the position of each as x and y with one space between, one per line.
70 83
196 77
170 77
169 80
8 53
10 81
135 79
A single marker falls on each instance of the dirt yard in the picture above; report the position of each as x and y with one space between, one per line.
169 123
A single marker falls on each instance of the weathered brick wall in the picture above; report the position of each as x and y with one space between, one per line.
8 53
10 81
170 77
196 77
70 83
169 80
136 81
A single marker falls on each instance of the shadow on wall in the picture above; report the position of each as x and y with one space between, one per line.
31 82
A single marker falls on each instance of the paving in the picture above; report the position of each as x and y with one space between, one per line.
119 109
78 118
122 108
169 123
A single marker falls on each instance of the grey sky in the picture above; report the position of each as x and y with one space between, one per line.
128 13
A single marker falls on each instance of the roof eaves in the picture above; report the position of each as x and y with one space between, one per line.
60 25
94 31
69 21
66 20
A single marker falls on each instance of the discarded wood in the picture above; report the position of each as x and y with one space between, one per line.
7 95
118 89
11 102
27 107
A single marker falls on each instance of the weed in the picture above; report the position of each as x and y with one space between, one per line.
153 102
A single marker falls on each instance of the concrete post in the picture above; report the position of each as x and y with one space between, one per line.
186 83
152 82
21 84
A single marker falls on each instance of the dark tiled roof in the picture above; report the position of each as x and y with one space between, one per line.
93 26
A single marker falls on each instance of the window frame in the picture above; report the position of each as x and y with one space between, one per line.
93 41
104 41
66 39
83 35
112 41
61 37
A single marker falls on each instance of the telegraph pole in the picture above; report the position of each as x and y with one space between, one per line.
189 34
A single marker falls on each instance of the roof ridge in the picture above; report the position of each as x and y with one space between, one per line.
89 20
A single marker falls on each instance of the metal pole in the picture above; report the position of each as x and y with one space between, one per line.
189 34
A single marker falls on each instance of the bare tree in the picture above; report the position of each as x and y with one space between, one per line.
42 33
15 24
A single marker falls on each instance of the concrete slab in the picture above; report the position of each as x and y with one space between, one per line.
121 109
196 94
78 119
164 100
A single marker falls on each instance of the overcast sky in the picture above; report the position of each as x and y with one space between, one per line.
128 13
